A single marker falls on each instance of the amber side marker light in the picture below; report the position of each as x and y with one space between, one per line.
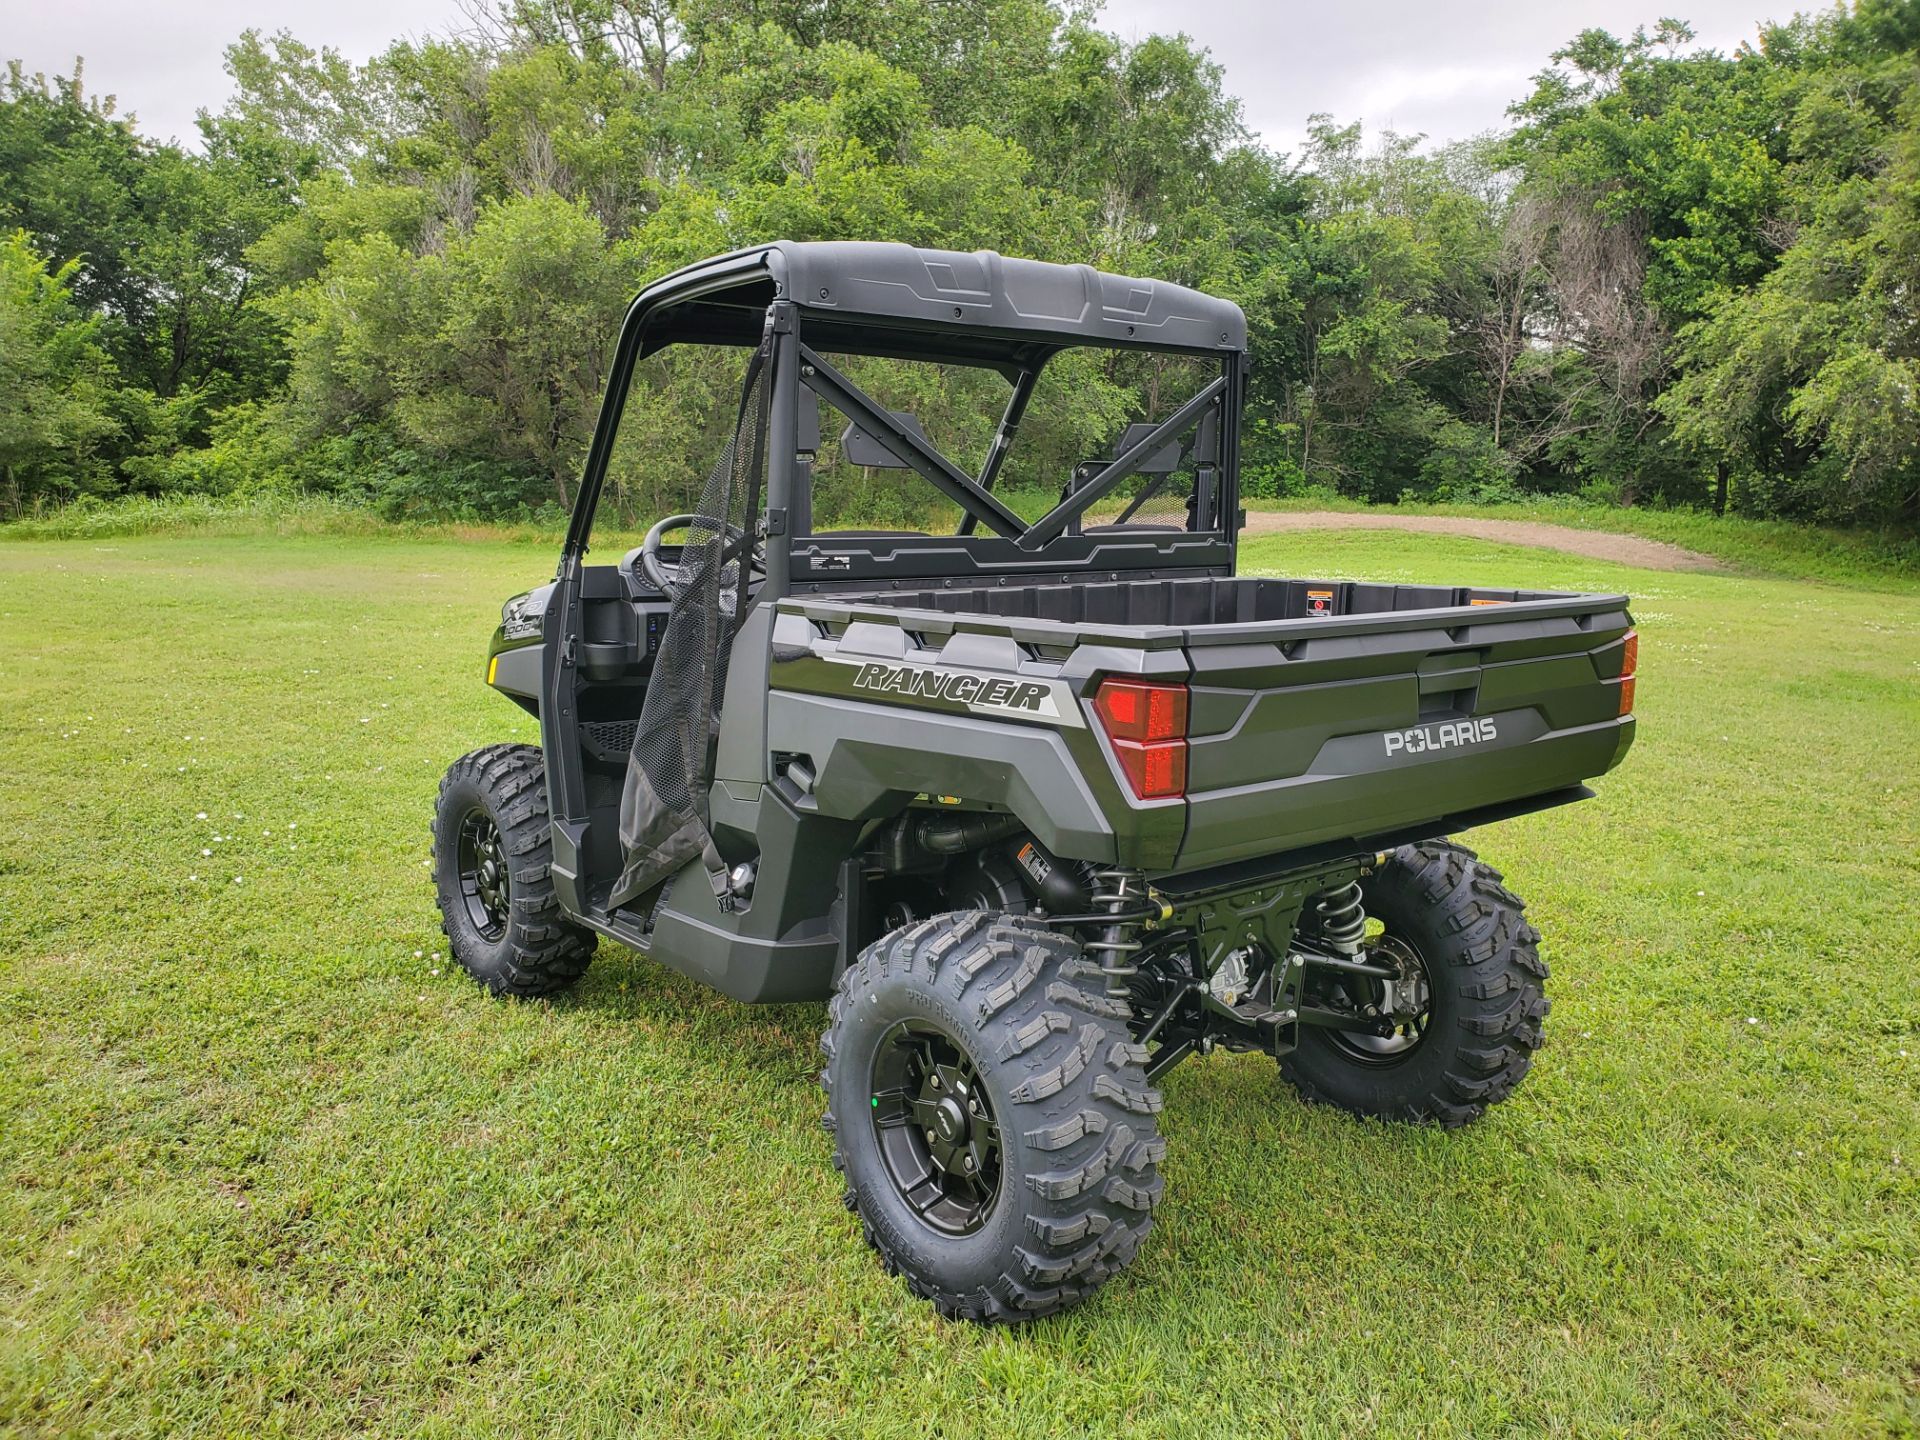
1146 722
1629 667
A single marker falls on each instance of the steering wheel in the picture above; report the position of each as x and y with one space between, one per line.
666 577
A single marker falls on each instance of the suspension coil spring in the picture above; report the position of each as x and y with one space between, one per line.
1343 917
1116 891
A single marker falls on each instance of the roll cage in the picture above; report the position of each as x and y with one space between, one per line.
804 301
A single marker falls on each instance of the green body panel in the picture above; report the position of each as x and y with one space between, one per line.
1302 732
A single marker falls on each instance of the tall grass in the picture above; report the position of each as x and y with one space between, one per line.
264 514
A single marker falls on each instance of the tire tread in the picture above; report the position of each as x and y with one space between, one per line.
1489 951
1082 1100
546 952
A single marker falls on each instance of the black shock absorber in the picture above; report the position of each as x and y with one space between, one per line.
1116 891
1342 917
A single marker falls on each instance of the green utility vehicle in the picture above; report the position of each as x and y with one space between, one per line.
1039 806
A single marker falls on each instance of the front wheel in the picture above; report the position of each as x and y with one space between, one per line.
991 1115
491 852
1463 951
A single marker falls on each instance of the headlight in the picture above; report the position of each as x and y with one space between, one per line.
524 616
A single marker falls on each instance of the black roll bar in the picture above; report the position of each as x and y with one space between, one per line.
905 446
1124 464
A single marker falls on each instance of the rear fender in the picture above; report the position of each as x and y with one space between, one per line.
863 719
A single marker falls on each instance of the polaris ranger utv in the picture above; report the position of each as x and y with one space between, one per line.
1040 807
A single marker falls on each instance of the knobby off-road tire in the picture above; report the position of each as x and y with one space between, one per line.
1487 987
515 940
1078 1140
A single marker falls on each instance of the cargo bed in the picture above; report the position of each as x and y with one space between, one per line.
1319 711
1199 600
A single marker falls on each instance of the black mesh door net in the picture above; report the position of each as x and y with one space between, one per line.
663 808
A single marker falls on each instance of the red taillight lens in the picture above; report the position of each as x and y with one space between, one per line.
1136 710
1147 724
1629 666
1157 771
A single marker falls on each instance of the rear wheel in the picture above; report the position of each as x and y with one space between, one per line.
1471 998
491 852
991 1116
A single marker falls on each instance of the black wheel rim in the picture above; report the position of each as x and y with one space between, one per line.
939 1141
1399 1042
484 883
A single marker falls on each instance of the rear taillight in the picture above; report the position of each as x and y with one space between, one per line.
1146 722
1629 665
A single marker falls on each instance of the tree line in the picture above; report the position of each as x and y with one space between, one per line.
1677 277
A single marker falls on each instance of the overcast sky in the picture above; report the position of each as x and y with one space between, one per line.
1446 68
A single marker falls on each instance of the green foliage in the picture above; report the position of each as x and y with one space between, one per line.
487 352
1676 263
151 242
1809 377
1773 196
1465 464
56 383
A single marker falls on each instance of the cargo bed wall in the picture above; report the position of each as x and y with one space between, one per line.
1203 600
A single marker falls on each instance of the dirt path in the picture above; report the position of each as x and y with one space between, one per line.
1598 544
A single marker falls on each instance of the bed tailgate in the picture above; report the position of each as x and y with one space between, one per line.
1348 727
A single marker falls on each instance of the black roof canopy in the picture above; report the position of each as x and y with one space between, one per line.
981 305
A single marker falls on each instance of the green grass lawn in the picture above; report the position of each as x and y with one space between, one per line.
269 1165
